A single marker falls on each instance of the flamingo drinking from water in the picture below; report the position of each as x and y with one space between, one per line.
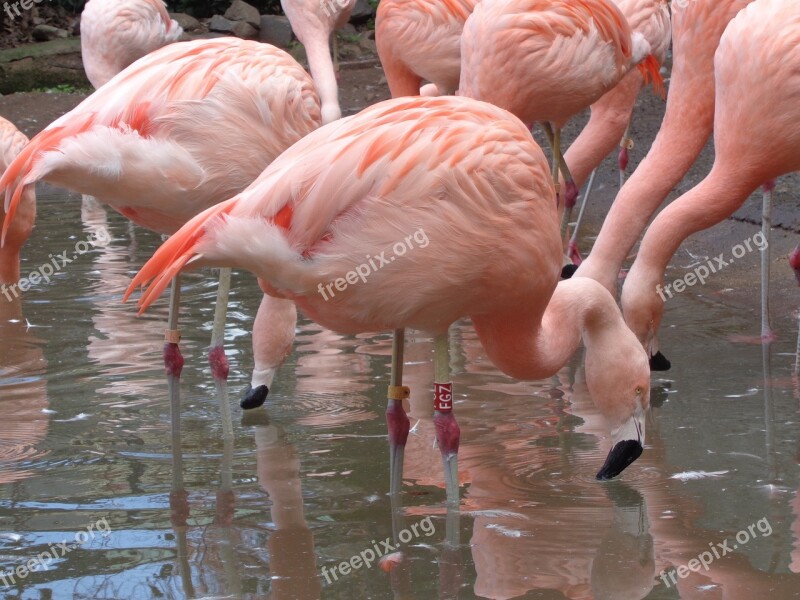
12 141
696 30
181 129
756 136
470 176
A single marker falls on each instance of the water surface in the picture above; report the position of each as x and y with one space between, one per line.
85 437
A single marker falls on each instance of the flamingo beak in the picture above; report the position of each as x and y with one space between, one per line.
659 362
628 445
254 397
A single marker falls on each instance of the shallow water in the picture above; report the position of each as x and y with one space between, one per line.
85 440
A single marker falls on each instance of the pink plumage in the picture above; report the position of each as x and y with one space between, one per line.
115 33
696 30
12 141
756 136
546 60
611 113
313 22
470 178
176 132
421 40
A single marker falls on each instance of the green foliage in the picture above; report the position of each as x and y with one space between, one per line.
63 88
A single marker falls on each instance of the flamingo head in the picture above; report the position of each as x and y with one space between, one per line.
642 301
18 233
618 378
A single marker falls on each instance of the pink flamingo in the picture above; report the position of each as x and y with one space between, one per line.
756 134
609 123
547 60
11 143
696 29
421 40
313 22
115 33
471 177
181 129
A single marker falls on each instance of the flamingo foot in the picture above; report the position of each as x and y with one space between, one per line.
254 397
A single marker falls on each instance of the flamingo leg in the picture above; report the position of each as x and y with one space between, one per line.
216 353
572 247
336 54
448 433
570 194
766 231
396 418
797 349
173 365
625 145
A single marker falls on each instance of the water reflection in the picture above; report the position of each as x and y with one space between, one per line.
305 487
23 393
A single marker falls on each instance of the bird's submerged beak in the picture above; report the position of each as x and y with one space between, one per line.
628 444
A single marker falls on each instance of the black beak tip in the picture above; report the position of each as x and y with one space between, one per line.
568 271
253 398
659 362
620 458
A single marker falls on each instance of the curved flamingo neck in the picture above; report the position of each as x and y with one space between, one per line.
687 125
603 132
712 200
535 345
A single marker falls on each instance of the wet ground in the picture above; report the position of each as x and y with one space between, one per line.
85 440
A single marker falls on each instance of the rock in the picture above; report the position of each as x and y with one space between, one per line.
245 30
187 22
348 28
238 28
242 11
276 30
45 33
220 23
362 12
367 44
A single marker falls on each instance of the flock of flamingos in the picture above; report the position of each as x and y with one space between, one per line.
229 147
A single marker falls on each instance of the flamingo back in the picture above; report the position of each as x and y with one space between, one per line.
115 33
546 59
217 111
421 39
464 173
